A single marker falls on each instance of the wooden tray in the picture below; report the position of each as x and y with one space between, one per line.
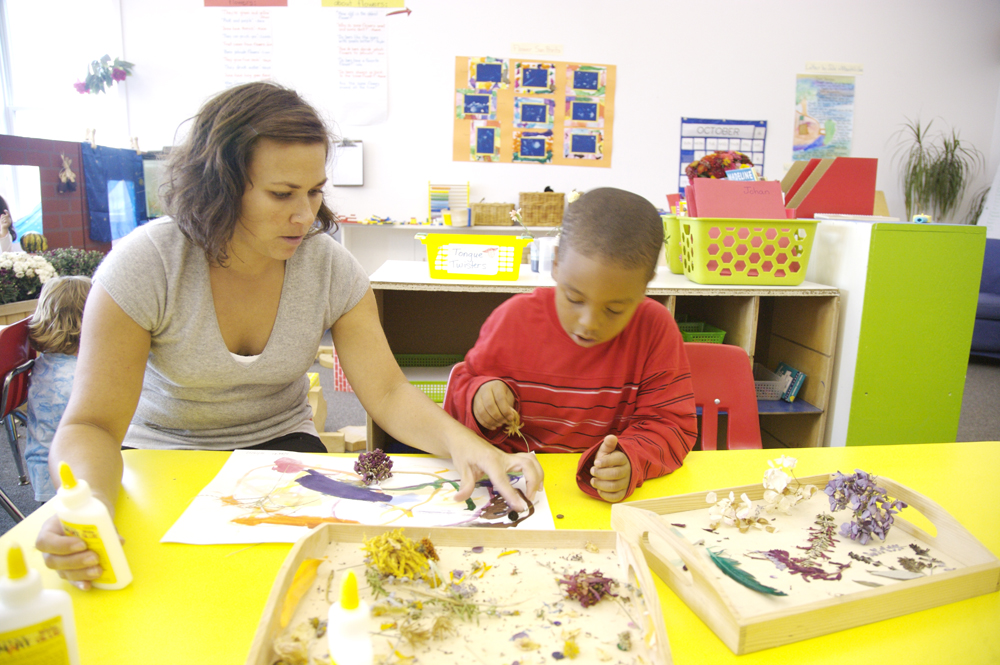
564 549
748 621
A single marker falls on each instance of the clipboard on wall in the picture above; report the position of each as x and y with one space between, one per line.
348 163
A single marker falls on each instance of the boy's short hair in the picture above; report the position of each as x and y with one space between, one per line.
618 226
55 325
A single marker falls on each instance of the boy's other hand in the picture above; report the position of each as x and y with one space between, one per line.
493 405
611 472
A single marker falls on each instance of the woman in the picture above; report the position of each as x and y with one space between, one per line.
200 327
7 233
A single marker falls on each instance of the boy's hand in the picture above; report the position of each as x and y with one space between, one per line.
493 405
611 472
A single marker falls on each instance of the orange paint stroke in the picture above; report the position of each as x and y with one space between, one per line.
292 520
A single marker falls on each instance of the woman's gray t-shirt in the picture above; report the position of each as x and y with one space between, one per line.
195 394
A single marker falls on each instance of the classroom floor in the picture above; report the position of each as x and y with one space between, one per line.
978 422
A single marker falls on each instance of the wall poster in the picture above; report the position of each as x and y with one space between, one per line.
824 117
533 111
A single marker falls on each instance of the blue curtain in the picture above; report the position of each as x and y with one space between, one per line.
116 191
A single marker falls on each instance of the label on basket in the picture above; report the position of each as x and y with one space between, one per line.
473 259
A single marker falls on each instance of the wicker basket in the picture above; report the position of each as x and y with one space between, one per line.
492 214
541 208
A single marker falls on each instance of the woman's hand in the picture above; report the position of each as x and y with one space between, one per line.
67 555
474 457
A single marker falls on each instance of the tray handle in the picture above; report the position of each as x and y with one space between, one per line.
951 536
636 525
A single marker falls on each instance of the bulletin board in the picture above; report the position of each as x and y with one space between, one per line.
533 112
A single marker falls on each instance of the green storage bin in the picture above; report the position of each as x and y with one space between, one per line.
697 331
433 389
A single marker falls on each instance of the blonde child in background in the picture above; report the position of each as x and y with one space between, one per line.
55 333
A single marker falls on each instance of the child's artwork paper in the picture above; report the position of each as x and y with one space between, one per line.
265 496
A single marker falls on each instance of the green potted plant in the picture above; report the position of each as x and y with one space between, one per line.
936 170
72 261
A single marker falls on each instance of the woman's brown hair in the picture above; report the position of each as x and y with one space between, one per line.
208 174
55 325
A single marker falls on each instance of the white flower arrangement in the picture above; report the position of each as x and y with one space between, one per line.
30 272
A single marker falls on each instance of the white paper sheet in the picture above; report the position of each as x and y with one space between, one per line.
264 496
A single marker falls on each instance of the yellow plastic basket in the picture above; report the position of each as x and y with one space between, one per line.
477 257
672 242
746 251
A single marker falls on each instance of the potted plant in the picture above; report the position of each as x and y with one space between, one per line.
936 170
72 261
21 279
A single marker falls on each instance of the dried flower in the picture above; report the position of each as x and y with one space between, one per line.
715 165
373 466
102 74
779 495
872 507
588 588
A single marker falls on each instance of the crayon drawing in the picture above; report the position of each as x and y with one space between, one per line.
484 141
583 144
532 146
584 112
534 113
263 496
488 73
475 105
534 78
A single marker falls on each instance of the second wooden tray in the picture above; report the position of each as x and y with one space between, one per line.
674 535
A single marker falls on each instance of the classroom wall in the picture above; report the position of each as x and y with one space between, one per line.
723 59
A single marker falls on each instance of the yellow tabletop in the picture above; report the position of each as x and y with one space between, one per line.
202 603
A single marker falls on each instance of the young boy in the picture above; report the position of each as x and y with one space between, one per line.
592 365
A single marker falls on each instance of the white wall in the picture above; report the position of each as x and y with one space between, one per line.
737 59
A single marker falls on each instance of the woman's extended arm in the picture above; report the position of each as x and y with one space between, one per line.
106 389
409 416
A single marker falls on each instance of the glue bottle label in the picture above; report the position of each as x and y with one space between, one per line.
40 644
88 534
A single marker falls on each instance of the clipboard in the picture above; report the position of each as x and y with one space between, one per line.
348 163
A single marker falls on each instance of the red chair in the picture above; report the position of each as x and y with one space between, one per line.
16 359
723 382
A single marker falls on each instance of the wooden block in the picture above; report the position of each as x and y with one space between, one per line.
355 438
318 404
334 441
326 360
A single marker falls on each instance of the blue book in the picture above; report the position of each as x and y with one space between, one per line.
794 385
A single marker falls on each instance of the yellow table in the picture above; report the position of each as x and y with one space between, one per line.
201 604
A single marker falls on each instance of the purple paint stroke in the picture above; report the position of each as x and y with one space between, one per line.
317 482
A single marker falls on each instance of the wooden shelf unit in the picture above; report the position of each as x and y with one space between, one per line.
792 324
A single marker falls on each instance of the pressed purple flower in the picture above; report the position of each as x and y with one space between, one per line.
81 87
118 74
873 509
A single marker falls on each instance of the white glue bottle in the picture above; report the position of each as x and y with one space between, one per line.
36 624
88 519
347 626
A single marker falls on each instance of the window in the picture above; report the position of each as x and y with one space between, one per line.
47 47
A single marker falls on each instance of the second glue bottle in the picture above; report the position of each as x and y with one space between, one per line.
84 516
